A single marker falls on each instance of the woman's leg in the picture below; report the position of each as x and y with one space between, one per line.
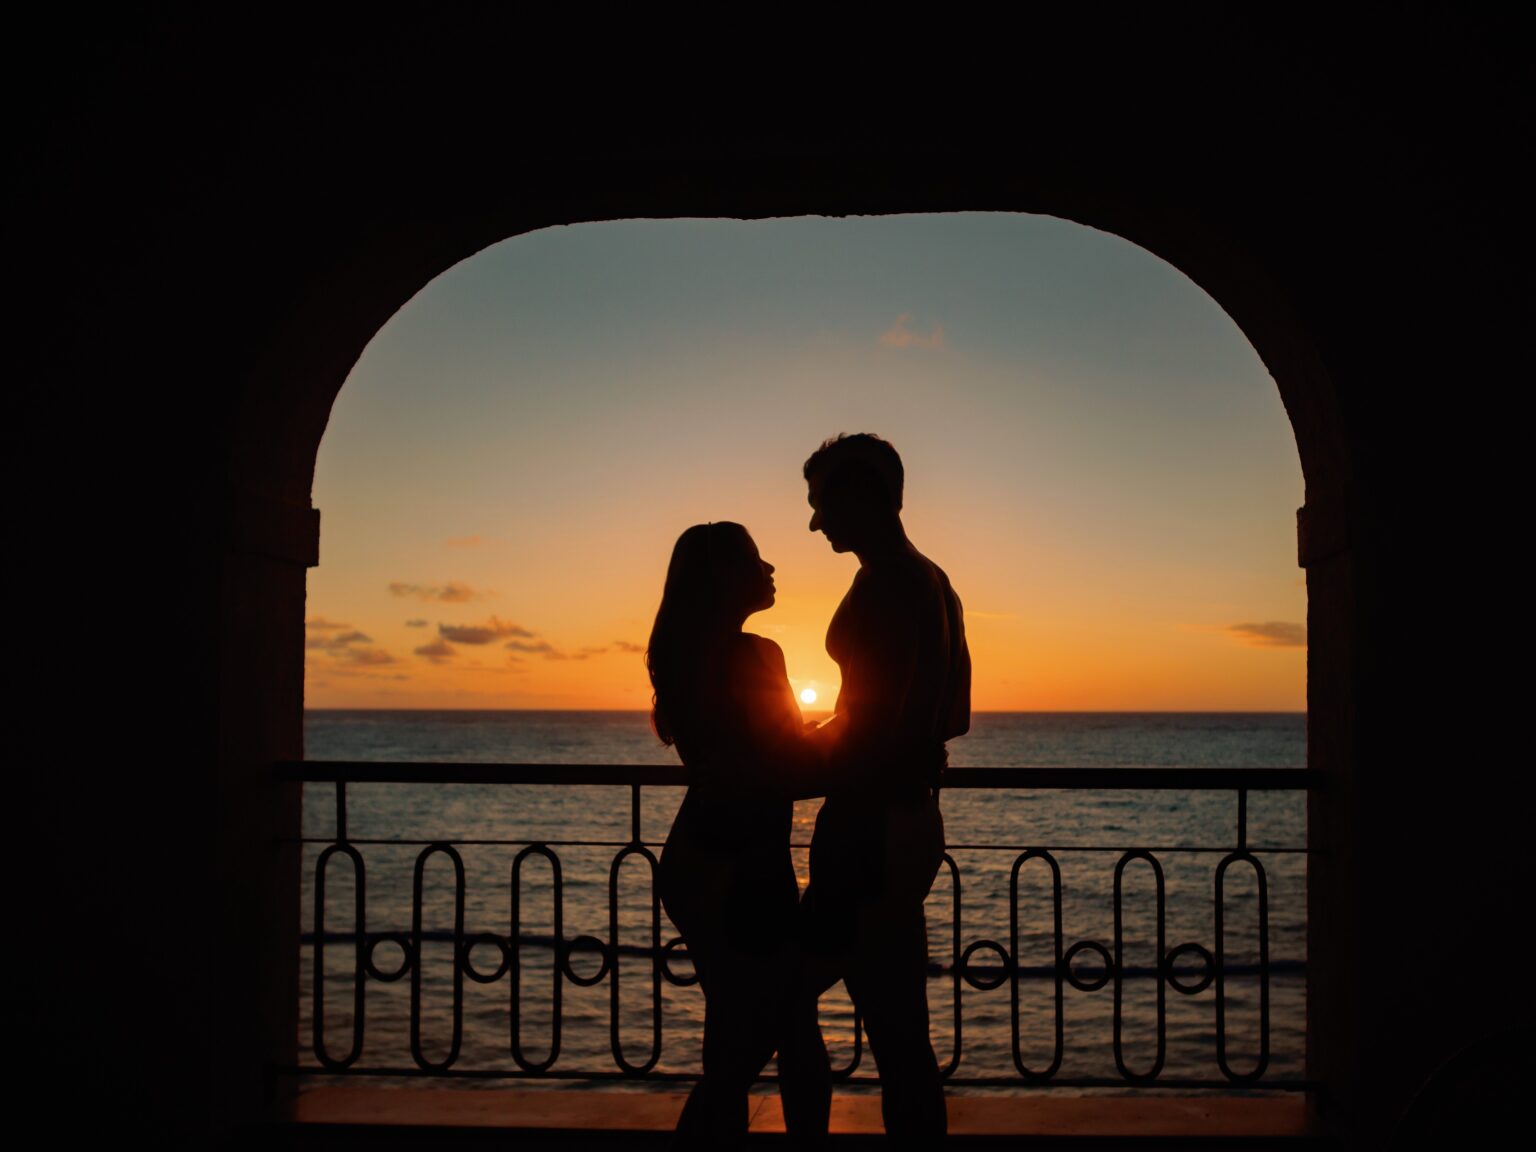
740 1026
805 1073
691 885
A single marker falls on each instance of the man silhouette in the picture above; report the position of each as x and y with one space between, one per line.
899 639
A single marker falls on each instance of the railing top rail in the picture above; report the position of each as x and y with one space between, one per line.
446 772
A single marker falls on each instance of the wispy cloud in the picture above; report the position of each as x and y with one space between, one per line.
363 672
628 646
348 648
547 650
1272 634
340 642
900 335
418 623
438 652
321 624
450 593
493 629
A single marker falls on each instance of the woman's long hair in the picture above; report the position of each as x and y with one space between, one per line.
685 656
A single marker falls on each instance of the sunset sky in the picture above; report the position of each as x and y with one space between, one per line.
1094 454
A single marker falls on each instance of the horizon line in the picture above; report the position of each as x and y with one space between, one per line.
828 712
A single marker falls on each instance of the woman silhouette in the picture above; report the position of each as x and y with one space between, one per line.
722 697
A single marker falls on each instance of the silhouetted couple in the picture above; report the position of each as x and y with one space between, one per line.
723 697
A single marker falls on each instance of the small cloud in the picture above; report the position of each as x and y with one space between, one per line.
1273 634
321 624
438 652
370 657
493 629
539 647
900 335
415 623
450 593
464 542
628 646
585 652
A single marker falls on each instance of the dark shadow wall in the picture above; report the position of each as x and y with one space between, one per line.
209 221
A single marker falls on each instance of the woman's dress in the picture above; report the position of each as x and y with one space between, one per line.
726 872
728 883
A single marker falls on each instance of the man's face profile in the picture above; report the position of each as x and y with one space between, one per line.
813 495
845 509
824 519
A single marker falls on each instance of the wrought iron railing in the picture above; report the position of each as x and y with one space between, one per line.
983 965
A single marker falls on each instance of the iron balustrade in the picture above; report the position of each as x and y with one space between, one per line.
1189 968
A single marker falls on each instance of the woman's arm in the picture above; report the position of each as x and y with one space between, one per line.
775 754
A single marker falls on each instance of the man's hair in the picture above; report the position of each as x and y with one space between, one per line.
844 456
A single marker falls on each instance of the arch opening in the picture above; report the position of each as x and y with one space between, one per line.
1095 453
903 334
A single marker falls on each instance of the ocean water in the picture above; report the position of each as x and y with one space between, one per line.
1086 831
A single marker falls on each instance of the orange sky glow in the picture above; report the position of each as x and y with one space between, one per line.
1094 454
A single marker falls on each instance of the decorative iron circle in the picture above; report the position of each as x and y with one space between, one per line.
587 942
978 981
404 944
466 950
666 966
1072 977
1191 949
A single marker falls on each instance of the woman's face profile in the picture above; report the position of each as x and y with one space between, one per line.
755 576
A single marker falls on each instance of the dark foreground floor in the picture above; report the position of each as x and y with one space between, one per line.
374 1118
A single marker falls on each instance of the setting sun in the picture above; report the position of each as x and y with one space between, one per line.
808 696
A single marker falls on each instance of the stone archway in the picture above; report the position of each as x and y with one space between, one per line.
214 214
289 392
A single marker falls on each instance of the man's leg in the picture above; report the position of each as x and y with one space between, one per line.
888 973
888 982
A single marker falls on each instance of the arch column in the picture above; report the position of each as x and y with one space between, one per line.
269 545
